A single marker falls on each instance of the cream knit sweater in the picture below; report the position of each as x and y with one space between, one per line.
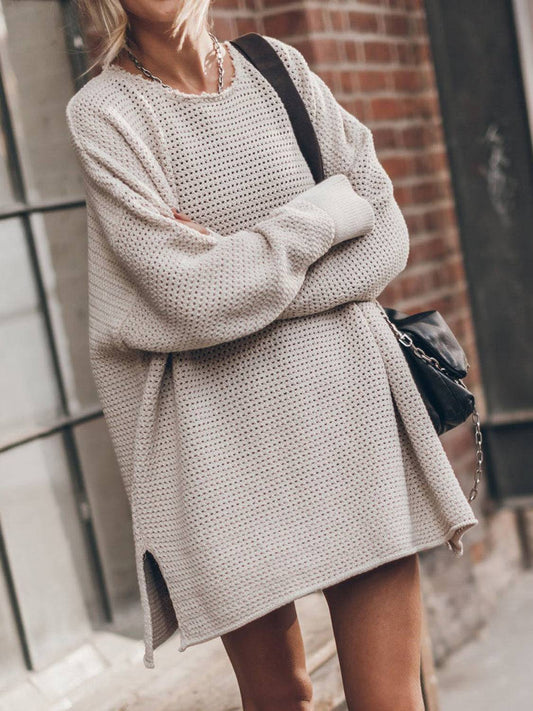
270 436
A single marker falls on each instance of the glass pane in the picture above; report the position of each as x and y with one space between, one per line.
27 379
61 239
44 547
111 518
38 85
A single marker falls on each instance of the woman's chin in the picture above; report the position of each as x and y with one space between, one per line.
158 12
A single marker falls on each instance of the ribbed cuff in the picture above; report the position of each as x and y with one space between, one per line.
352 214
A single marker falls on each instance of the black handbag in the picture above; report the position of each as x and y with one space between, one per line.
435 358
437 363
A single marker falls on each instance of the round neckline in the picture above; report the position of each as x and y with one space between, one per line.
227 90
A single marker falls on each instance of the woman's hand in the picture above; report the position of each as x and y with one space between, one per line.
187 220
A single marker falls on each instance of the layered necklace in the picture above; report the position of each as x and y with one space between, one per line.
149 74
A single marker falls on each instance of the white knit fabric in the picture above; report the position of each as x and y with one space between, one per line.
270 436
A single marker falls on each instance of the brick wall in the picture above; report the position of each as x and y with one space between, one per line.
375 56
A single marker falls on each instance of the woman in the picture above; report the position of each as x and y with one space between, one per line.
271 440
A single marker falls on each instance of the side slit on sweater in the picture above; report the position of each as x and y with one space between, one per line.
162 614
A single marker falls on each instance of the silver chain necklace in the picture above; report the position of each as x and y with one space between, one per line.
149 74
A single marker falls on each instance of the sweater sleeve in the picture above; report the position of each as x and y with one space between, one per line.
182 289
360 269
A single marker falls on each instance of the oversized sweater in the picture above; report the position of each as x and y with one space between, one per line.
271 439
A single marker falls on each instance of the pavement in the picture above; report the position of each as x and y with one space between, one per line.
494 671
107 674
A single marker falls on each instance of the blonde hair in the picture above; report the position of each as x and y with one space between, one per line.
107 24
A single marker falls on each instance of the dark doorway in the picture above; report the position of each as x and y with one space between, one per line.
485 120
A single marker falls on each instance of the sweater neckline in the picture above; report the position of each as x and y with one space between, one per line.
204 95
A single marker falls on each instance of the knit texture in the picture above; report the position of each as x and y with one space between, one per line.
271 439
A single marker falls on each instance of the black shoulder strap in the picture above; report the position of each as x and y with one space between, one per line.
264 57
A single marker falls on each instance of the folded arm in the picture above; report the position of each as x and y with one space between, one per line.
359 269
181 289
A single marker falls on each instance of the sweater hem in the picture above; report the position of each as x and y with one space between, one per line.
452 538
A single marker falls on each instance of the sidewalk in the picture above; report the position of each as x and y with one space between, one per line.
490 673
494 671
202 679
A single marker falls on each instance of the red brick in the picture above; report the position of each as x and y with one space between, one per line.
398 166
245 24
406 54
403 195
379 52
422 52
415 222
294 22
413 285
325 50
352 49
227 4
433 162
363 21
418 25
348 81
339 20
408 79
420 135
393 107
315 19
225 27
438 218
426 250
428 105
331 77
397 25
372 80
357 107
385 138
428 192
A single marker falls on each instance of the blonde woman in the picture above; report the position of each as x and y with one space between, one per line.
269 435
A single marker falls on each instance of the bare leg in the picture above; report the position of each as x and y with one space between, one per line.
376 619
268 658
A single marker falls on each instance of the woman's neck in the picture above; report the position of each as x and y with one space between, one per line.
192 68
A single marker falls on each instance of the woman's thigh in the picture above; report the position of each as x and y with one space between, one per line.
268 658
376 618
